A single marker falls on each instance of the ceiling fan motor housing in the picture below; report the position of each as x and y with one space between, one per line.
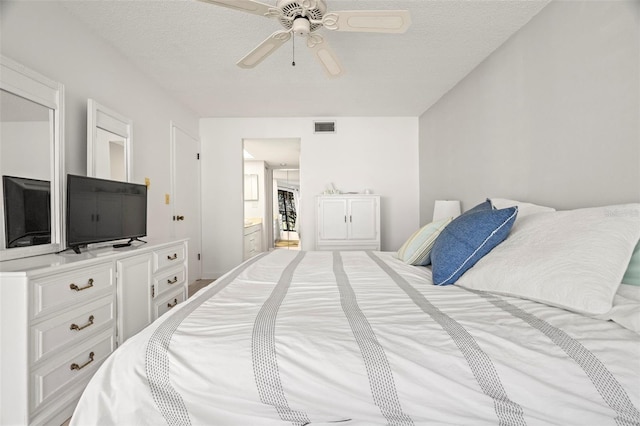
292 11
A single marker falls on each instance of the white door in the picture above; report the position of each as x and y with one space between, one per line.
186 196
362 219
333 219
134 295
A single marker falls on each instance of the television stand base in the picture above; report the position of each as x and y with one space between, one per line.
128 243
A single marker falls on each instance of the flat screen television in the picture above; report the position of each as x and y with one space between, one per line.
100 210
27 211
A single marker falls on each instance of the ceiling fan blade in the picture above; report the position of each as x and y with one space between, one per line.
325 55
374 21
264 49
249 6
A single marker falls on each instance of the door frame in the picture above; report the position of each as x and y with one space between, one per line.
172 155
268 221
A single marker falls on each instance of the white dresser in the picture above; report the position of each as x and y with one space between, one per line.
348 222
62 315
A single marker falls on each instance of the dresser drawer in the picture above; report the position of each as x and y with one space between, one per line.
60 290
169 302
79 363
170 256
169 280
65 330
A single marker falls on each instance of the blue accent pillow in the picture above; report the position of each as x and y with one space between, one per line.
467 239
482 206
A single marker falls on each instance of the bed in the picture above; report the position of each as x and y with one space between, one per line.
365 338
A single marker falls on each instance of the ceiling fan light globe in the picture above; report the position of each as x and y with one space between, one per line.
301 26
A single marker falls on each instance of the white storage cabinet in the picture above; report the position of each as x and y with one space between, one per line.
348 222
252 240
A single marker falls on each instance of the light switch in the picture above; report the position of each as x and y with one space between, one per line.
167 198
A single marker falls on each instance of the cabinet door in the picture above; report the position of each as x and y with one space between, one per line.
362 219
333 219
134 295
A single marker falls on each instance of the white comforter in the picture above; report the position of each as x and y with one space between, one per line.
359 338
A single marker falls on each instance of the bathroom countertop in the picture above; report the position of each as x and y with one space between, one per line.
252 221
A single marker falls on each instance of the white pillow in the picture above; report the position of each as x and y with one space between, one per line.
572 259
524 209
415 251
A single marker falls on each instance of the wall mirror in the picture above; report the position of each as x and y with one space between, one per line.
31 161
109 139
251 187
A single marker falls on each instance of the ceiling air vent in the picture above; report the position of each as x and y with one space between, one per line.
324 127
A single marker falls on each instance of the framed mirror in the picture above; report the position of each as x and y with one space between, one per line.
251 187
109 138
31 161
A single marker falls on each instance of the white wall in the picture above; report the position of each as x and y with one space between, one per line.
551 117
43 36
380 153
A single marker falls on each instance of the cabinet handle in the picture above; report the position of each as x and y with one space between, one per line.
173 281
180 217
76 288
79 327
75 366
174 257
345 218
350 219
175 302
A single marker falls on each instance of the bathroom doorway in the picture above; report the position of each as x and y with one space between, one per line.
276 162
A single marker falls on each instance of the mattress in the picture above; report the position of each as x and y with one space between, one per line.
360 338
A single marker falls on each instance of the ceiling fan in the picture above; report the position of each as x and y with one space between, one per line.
305 17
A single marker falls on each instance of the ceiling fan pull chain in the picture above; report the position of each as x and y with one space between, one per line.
293 44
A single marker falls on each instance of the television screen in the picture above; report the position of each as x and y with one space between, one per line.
27 211
101 210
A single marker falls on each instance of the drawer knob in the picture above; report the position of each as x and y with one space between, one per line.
173 281
174 257
175 302
75 366
76 288
80 327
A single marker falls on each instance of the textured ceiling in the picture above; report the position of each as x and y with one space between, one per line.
190 49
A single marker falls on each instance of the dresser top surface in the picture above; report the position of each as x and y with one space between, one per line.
89 256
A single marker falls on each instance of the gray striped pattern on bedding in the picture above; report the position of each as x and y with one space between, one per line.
263 350
605 383
167 399
508 412
379 372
